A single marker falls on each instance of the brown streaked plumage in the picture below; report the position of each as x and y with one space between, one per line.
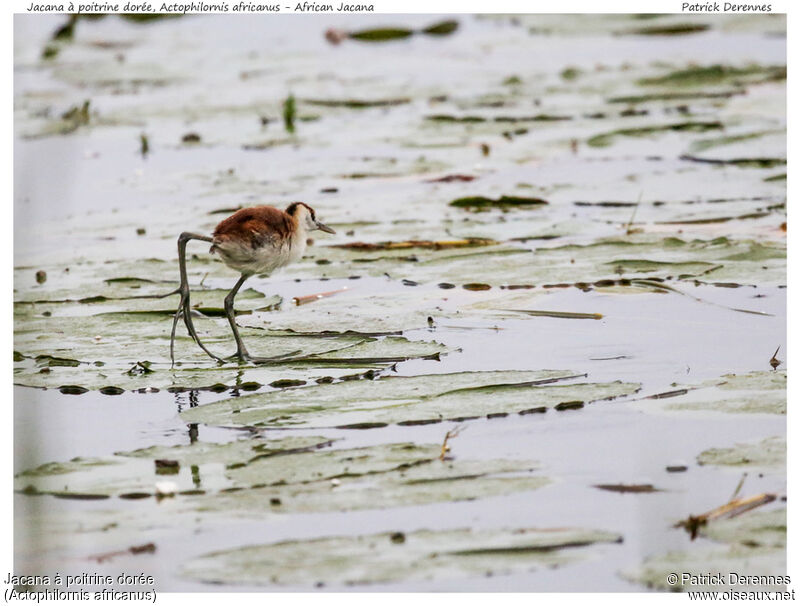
255 240
255 222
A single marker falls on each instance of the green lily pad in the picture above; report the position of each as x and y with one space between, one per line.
754 392
392 557
408 400
291 475
239 452
606 139
675 96
768 453
104 351
735 141
357 103
720 259
754 559
678 29
482 202
372 153
718 74
384 34
234 465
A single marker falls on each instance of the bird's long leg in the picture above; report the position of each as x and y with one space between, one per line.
184 307
241 350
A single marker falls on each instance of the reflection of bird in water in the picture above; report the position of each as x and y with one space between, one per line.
775 362
255 240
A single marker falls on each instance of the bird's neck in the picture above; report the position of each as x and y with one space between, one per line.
299 234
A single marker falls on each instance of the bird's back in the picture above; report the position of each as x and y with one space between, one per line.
256 240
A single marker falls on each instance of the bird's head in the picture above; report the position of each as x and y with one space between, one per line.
306 218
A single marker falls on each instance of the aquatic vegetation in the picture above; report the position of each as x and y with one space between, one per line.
769 453
410 400
754 392
717 74
387 557
481 202
606 139
388 34
525 260
755 541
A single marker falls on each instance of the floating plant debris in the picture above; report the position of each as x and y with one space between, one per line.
559 314
731 509
624 488
755 542
453 178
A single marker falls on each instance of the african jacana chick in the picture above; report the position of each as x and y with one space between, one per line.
255 240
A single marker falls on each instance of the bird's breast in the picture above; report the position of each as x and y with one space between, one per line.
265 258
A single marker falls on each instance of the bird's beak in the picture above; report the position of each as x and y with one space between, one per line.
325 228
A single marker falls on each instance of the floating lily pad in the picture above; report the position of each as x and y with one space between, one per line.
606 139
745 162
393 557
481 202
107 349
291 475
678 29
408 400
384 34
239 464
640 256
386 558
355 313
369 141
718 74
411 244
728 141
768 453
357 103
754 560
755 392
232 453
675 96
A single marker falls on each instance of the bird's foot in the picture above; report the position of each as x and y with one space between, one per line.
244 356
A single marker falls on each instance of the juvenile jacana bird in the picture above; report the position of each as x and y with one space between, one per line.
255 240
